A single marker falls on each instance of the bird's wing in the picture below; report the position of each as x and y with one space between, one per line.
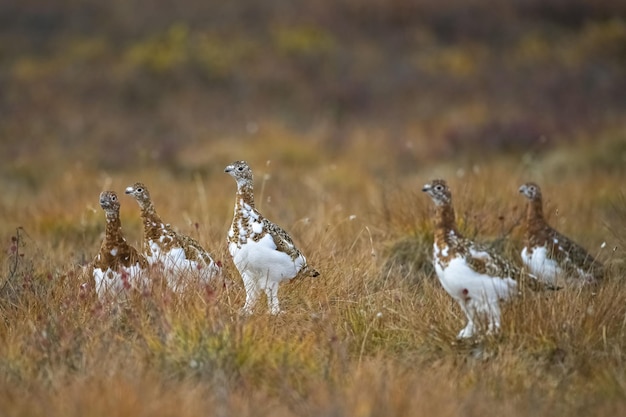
193 250
572 257
487 262
484 260
132 257
282 240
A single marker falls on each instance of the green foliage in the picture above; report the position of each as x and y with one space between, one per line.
305 41
504 81
459 62
604 40
162 53
221 56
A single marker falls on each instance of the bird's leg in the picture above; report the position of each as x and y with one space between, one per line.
468 330
494 318
252 293
271 290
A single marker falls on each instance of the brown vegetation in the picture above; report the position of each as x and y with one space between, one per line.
344 110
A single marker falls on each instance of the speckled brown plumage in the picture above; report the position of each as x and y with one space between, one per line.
263 253
476 277
446 236
163 245
241 230
116 258
570 259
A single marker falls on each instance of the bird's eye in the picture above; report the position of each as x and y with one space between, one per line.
113 198
439 187
139 190
239 169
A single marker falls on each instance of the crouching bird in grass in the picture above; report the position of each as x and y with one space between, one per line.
182 258
551 256
263 253
118 267
473 275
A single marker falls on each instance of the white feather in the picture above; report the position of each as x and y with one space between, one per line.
263 267
114 283
548 270
180 271
257 227
477 294
545 269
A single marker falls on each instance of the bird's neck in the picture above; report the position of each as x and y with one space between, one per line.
151 220
244 196
535 222
445 224
113 229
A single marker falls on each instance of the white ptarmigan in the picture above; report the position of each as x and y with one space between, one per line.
552 257
263 253
474 276
118 267
182 258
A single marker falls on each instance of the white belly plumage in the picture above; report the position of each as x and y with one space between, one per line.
261 260
176 265
544 268
478 294
462 282
115 282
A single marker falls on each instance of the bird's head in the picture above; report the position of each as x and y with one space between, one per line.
241 172
531 191
439 192
139 192
109 202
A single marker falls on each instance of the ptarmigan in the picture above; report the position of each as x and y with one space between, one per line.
118 266
474 276
182 257
549 255
263 253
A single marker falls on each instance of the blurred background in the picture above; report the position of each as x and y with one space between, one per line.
121 84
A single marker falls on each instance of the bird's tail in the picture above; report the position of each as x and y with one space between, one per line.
310 272
534 283
307 271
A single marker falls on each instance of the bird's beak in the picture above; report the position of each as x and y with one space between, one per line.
426 188
522 189
228 169
129 190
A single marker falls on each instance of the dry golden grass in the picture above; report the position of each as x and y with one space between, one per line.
374 335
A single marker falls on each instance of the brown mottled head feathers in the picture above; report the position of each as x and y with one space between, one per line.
439 192
446 233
